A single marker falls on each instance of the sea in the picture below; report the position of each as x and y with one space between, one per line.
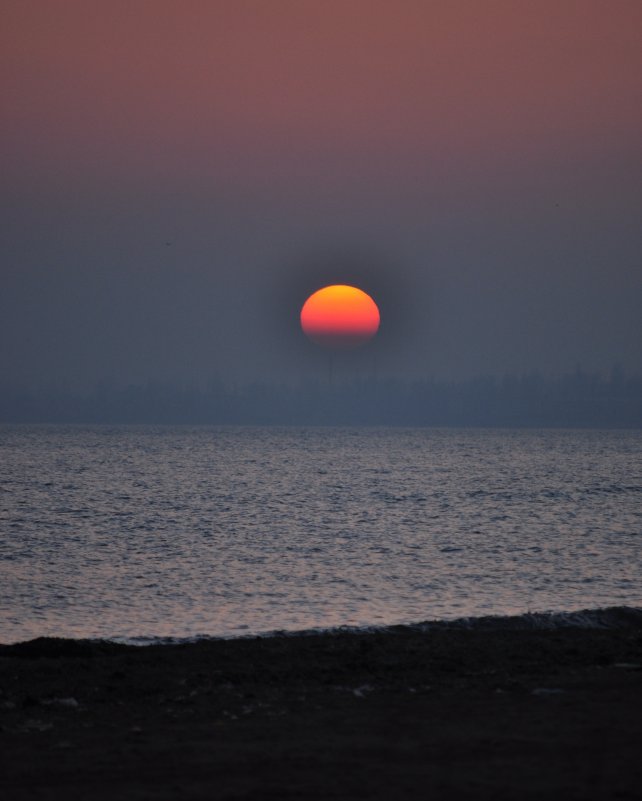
139 533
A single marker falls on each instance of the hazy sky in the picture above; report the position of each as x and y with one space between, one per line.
179 176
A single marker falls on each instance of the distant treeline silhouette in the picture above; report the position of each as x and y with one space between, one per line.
579 399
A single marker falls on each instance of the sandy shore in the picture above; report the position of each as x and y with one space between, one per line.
501 713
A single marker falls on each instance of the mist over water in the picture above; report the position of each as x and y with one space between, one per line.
159 531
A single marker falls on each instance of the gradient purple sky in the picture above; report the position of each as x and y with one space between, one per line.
482 158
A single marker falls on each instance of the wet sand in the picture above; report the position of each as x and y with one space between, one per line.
448 713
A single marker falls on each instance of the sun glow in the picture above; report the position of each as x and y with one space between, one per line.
340 316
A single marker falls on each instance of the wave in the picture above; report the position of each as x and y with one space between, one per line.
614 617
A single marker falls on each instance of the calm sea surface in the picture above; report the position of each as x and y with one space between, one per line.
160 531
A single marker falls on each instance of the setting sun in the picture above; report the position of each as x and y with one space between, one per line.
340 316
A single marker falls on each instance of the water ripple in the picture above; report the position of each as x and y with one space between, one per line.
152 531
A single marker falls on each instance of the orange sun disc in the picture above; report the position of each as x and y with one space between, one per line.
340 316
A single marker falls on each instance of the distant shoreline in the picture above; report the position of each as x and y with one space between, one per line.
635 428
574 400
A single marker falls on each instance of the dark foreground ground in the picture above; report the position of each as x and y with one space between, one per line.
501 713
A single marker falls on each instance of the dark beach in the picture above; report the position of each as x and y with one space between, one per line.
498 710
